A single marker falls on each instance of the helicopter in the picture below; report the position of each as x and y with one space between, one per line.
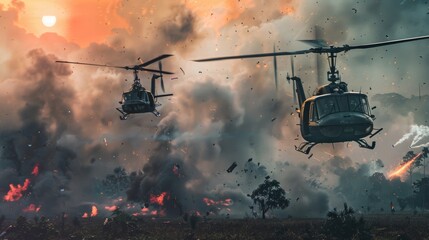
138 99
333 114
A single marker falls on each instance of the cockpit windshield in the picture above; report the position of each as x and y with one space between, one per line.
342 103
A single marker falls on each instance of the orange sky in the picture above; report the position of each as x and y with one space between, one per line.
79 21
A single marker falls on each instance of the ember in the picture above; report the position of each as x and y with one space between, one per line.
15 193
35 171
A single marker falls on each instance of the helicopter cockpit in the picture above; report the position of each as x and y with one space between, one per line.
137 96
325 105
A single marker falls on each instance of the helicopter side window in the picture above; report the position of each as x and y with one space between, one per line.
365 104
326 106
313 112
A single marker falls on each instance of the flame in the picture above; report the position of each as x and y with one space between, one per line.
158 199
111 208
15 192
94 211
145 210
176 170
402 169
210 202
35 171
31 208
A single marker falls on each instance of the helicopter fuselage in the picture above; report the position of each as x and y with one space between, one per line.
138 101
337 117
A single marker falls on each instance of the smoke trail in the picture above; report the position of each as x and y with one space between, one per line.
417 133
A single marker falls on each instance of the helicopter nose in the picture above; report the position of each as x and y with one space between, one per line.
354 125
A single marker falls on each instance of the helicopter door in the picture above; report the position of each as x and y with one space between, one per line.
305 118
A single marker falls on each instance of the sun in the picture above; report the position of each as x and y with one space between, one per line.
49 21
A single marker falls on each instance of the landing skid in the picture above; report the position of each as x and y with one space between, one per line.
305 147
363 144
124 115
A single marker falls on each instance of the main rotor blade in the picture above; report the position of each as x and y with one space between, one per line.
331 49
154 60
155 71
316 42
92 64
255 55
379 44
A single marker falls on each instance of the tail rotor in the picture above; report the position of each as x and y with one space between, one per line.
288 78
160 75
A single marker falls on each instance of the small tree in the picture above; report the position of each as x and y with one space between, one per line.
269 195
344 225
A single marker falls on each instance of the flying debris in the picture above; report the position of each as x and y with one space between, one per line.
333 114
250 159
232 167
138 99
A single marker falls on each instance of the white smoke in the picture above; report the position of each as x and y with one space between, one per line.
419 134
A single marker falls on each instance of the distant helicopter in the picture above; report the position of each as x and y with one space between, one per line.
333 114
138 99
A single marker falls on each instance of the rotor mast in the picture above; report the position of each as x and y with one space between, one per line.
136 84
333 73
